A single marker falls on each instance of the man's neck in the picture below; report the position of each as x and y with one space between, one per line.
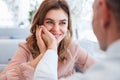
112 34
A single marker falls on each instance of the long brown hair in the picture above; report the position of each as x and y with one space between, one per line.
38 20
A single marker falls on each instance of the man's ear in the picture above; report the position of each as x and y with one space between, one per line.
105 13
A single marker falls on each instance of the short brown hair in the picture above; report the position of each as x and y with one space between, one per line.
114 5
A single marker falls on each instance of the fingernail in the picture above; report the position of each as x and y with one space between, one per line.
42 26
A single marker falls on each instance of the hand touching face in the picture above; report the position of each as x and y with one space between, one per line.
40 42
45 39
49 39
53 30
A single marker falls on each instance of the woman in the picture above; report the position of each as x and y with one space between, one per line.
51 25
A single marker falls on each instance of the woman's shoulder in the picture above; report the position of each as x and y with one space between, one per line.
75 47
73 44
24 49
23 46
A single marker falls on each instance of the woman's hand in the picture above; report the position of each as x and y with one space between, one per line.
40 42
45 40
41 45
49 39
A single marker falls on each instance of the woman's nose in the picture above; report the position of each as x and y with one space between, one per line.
56 27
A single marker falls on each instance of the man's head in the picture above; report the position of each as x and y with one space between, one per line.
106 21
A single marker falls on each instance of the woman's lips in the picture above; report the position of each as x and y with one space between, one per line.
57 36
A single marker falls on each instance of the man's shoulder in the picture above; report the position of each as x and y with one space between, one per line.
106 70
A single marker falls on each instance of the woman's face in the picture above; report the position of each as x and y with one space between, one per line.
56 22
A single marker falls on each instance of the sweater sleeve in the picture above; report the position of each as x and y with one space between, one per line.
82 58
18 68
47 67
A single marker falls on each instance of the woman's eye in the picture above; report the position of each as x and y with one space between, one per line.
62 23
49 22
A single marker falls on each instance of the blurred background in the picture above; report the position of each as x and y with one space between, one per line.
15 19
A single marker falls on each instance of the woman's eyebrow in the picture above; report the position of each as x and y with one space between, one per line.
64 20
49 19
53 20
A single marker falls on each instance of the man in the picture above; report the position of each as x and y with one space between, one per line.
106 26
